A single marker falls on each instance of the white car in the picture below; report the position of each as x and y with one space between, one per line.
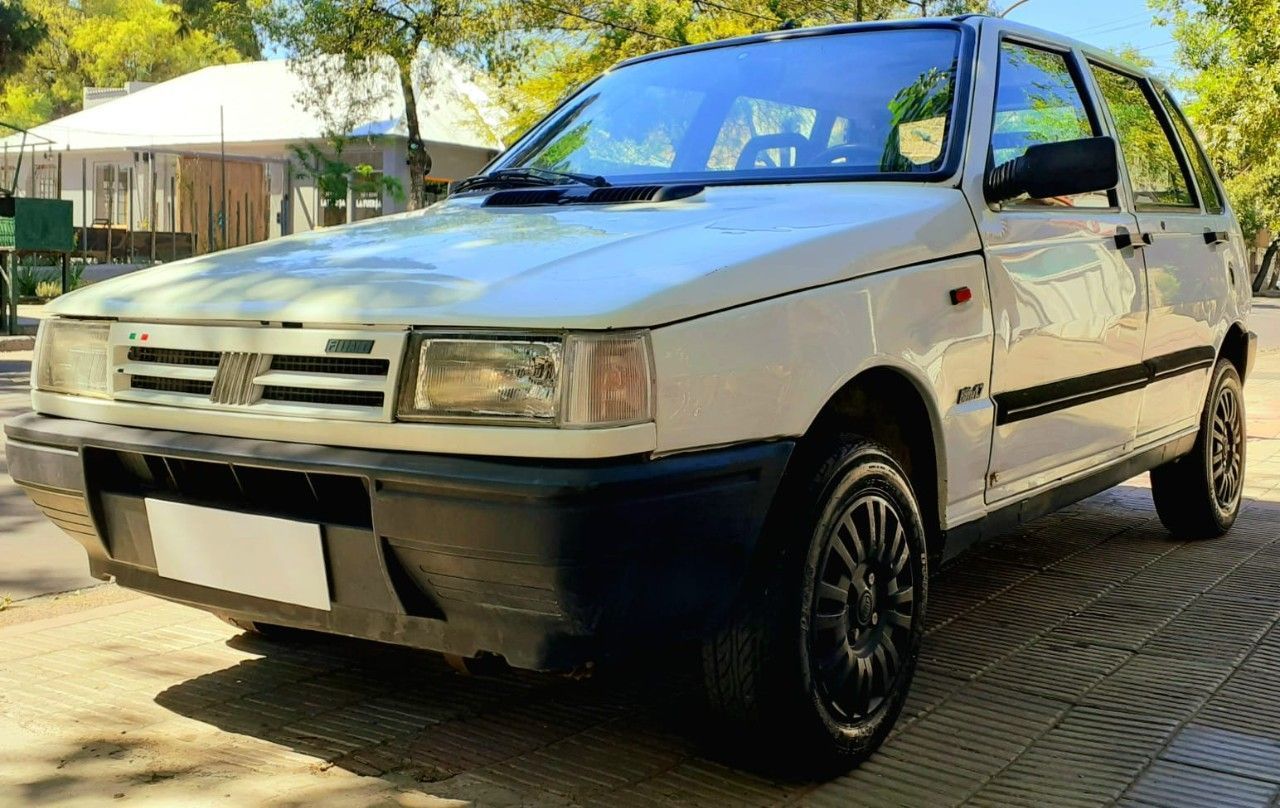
737 345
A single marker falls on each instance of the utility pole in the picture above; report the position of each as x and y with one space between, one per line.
222 139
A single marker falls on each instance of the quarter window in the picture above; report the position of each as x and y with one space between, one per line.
1038 100
1158 177
1199 163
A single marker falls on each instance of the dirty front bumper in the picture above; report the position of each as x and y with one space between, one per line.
548 563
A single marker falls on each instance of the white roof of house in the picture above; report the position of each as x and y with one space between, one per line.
261 102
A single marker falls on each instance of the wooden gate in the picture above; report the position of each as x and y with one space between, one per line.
202 204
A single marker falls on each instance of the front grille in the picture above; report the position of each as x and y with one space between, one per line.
331 364
170 356
190 387
354 398
268 371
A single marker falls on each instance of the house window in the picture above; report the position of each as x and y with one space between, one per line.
111 187
47 182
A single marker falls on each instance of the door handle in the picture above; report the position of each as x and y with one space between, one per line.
1135 240
1212 237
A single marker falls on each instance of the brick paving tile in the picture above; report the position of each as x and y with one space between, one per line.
1086 659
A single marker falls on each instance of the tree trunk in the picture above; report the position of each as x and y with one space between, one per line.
419 159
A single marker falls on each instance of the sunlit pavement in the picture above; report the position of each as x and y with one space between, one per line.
1088 660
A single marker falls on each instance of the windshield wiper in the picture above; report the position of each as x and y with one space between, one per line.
521 177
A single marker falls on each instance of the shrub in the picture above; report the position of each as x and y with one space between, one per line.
46 283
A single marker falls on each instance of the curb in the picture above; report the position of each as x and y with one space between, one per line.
19 343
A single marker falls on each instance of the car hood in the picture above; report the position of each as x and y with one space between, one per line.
459 263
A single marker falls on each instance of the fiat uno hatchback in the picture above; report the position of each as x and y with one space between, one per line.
736 346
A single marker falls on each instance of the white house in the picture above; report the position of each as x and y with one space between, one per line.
149 161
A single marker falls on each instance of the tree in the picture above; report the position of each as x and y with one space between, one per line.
102 43
20 34
571 42
362 39
1228 49
230 21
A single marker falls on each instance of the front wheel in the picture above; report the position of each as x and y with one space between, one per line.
817 665
1198 495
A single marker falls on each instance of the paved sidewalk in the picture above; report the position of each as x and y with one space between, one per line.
36 558
1087 661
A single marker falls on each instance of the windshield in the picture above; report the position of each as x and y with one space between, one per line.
875 103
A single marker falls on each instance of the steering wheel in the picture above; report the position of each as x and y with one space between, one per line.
848 154
778 140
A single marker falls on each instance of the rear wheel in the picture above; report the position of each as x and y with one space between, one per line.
818 665
1198 495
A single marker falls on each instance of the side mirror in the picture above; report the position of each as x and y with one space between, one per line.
1056 169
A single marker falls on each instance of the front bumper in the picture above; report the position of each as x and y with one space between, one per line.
548 563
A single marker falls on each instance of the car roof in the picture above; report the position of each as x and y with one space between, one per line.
983 22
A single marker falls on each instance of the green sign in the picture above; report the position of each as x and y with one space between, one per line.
36 225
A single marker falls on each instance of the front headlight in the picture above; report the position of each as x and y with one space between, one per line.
72 357
582 380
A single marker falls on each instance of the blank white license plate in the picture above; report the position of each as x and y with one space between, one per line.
260 556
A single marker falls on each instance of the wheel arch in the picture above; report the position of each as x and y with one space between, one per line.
1235 348
891 404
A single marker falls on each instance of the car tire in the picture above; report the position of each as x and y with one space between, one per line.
816 666
1198 496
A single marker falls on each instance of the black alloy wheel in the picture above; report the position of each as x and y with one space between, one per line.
1199 495
861 614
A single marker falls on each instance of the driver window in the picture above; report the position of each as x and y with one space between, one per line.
777 134
1039 101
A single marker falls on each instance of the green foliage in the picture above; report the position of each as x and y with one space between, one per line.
335 177
229 21
1228 49
20 34
45 283
369 43
928 99
102 43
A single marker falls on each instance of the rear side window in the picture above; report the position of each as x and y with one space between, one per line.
1158 176
1199 163
1038 100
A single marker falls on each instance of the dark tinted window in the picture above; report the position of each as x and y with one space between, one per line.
866 103
1155 171
1199 163
1038 101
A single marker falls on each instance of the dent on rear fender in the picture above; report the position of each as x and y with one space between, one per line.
766 370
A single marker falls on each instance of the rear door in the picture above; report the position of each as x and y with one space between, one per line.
1187 255
1069 301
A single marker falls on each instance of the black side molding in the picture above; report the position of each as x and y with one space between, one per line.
1178 362
1019 405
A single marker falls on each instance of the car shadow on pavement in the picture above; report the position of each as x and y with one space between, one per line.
1051 615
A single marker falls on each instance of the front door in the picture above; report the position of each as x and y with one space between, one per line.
1068 289
1190 262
